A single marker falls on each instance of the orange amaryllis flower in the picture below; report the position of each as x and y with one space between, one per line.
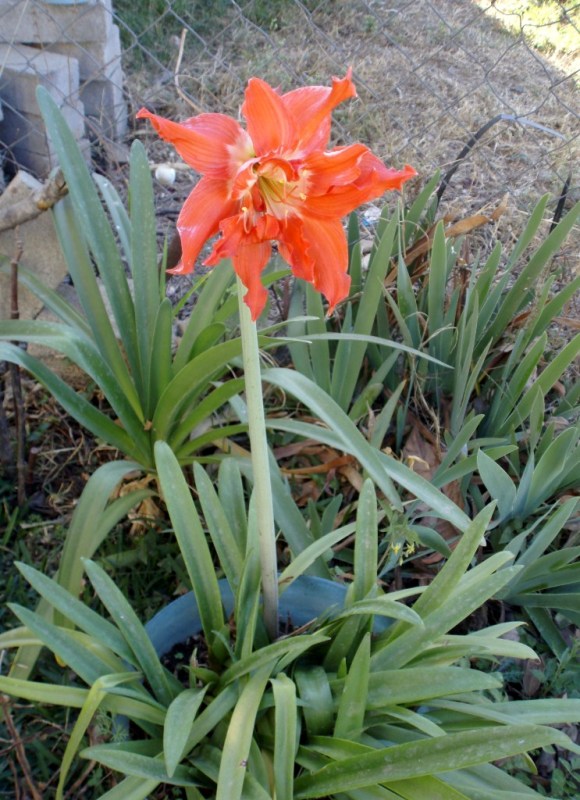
275 181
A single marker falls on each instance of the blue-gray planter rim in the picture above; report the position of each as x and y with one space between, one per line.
305 599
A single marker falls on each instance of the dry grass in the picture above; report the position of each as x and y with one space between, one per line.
429 72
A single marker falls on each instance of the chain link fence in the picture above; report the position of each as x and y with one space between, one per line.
432 77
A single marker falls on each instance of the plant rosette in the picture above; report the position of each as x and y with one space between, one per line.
373 698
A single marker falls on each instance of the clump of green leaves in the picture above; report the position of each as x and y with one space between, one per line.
154 391
375 698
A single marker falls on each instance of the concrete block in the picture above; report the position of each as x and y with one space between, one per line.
46 23
105 107
24 135
94 57
41 254
25 68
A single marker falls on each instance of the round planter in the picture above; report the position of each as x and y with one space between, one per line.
306 598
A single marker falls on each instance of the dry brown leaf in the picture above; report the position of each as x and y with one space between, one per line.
147 511
568 322
328 465
459 228
353 475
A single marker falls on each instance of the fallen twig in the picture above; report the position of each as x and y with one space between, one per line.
44 198
18 747
19 416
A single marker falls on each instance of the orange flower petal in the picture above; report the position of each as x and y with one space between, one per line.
327 246
249 261
295 249
269 124
373 181
199 219
311 107
337 167
395 178
212 144
232 235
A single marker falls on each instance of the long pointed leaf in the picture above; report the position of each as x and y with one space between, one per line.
132 630
191 539
239 737
285 736
93 221
426 757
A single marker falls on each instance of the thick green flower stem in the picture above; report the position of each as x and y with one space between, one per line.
260 465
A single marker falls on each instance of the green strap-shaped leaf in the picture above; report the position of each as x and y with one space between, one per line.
285 743
427 786
94 698
91 522
210 297
248 596
191 539
75 403
64 310
444 584
231 493
216 517
118 212
498 483
93 221
239 737
131 789
134 764
144 266
87 665
413 641
77 612
69 697
436 289
382 606
349 355
513 301
550 467
414 685
203 410
314 690
133 631
319 349
193 378
159 369
343 433
352 704
314 551
289 649
547 378
179 721
423 758
366 546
